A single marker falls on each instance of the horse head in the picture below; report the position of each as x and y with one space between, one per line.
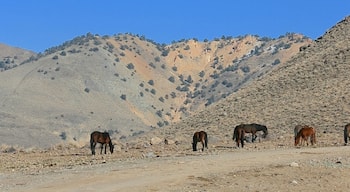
111 147
265 132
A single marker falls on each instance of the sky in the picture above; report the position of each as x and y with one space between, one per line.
37 25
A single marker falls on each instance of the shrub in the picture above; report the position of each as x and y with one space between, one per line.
153 91
276 62
130 66
171 79
151 82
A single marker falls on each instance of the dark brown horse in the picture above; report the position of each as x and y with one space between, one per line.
202 137
238 135
102 138
250 128
346 133
305 133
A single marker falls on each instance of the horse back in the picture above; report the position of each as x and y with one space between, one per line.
100 137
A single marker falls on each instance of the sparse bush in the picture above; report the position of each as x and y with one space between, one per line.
63 136
123 96
130 66
157 59
159 113
151 82
63 53
55 57
276 62
171 79
95 49
153 91
245 69
87 90
161 99
174 68
152 65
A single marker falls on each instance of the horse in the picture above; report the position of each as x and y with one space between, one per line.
346 133
297 129
102 138
200 136
253 129
305 133
238 134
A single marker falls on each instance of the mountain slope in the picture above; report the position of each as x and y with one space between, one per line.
127 85
311 88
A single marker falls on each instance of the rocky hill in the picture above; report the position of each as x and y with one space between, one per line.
311 88
128 85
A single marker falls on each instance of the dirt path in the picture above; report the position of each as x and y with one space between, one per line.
308 169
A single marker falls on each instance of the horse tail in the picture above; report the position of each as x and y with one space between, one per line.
297 138
206 140
242 132
346 133
234 137
92 147
314 135
194 142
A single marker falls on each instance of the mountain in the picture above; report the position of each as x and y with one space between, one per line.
310 88
128 85
12 56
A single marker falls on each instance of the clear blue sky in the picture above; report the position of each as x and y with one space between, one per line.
40 24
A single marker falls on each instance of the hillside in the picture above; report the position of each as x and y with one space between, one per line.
13 56
128 85
311 88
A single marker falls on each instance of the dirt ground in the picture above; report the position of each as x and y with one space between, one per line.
264 166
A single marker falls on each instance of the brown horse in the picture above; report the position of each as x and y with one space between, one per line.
202 137
297 129
102 138
238 135
346 133
250 128
305 133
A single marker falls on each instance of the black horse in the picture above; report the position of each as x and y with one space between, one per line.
102 138
240 130
202 137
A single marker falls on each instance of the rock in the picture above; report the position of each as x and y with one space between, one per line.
294 164
156 141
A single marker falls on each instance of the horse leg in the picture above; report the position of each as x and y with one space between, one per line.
101 148
92 146
242 138
106 148
254 136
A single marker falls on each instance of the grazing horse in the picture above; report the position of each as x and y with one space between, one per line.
102 138
253 129
202 137
305 133
238 134
297 129
346 133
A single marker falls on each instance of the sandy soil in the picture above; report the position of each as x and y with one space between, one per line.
167 168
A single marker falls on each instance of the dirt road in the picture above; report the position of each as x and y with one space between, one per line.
293 169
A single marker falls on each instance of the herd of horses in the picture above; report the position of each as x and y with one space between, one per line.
302 134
